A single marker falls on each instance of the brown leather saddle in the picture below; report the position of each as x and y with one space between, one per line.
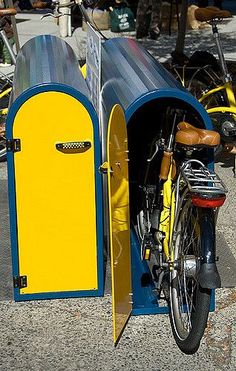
211 13
188 135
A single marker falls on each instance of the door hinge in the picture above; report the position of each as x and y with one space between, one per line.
20 282
13 145
104 168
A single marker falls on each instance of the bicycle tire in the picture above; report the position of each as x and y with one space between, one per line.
202 82
3 153
189 302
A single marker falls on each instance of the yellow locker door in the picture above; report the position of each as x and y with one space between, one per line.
118 189
55 195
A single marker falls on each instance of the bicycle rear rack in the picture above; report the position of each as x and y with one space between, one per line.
200 180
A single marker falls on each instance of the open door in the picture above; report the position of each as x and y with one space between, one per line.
118 192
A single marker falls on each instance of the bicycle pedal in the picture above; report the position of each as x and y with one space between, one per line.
146 253
147 247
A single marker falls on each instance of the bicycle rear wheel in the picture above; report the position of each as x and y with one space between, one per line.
188 301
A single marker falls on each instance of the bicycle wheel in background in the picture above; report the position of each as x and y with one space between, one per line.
201 82
188 301
5 92
3 151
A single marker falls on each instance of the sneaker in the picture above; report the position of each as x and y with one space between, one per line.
5 64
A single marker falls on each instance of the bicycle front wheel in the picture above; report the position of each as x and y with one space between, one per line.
189 302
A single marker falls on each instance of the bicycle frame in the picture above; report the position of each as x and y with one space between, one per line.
4 111
172 205
227 87
168 215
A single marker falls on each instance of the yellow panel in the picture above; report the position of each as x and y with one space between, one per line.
83 70
119 220
55 196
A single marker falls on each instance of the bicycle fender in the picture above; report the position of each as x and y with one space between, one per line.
208 275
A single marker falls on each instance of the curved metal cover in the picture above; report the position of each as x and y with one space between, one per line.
46 59
132 77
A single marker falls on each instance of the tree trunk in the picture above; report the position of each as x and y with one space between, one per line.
179 46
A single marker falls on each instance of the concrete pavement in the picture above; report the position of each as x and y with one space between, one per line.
76 334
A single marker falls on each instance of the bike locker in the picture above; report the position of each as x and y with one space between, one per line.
144 89
55 189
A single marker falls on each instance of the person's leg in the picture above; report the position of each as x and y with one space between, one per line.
141 19
6 54
155 19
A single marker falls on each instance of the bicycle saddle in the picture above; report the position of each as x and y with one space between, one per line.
7 11
210 13
188 135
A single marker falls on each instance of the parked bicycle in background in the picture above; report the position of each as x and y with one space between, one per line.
210 82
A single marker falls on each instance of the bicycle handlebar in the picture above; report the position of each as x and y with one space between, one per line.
56 6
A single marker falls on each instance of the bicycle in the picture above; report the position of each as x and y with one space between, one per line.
176 218
211 83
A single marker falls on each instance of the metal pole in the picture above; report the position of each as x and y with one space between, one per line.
63 20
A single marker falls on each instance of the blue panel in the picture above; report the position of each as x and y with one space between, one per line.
56 295
145 300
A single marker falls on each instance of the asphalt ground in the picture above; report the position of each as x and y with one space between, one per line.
76 334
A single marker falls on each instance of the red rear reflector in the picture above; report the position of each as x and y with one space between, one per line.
206 202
